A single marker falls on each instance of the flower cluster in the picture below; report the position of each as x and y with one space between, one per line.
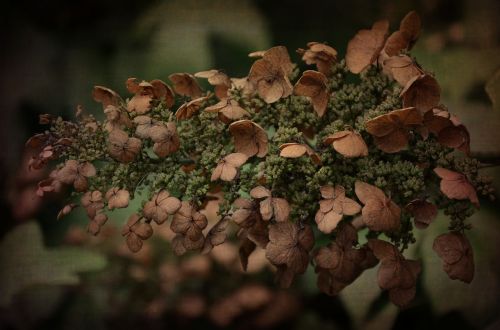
358 143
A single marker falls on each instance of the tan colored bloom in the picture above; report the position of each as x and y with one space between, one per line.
117 198
422 92
249 138
349 144
271 206
396 274
392 130
289 247
296 150
122 147
457 255
455 185
333 207
218 79
312 84
227 168
185 84
76 173
228 110
106 96
165 138
161 206
320 54
364 48
379 212
188 109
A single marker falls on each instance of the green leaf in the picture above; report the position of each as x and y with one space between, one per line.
26 262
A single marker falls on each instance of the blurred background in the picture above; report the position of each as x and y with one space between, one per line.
53 275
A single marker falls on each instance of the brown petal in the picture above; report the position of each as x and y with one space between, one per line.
185 84
249 138
364 48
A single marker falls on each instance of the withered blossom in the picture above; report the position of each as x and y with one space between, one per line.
76 173
312 84
229 110
456 252
249 138
165 138
455 185
333 207
396 274
227 168
122 147
391 131
189 109
117 198
349 144
216 78
271 206
288 249
296 150
364 48
320 54
339 264
185 84
379 212
161 205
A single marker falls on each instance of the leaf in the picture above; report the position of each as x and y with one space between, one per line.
26 262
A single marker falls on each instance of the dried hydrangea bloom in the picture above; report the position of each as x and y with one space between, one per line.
122 147
227 168
339 264
396 274
76 173
249 138
165 138
392 130
161 206
422 92
106 96
93 202
402 68
456 252
116 118
117 198
348 143
296 150
455 185
140 103
270 75
96 223
229 110
312 84
288 248
364 48
423 212
406 36
216 235
188 109
185 84
271 206
143 127
379 212
216 78
136 232
320 54
333 207
189 222
448 129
